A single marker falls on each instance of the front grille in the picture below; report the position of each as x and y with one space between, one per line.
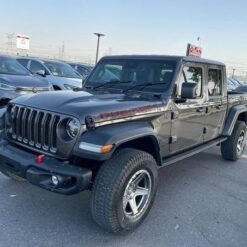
32 127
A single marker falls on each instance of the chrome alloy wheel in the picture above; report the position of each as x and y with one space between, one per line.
241 142
137 194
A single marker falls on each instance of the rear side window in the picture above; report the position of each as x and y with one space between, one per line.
23 62
214 82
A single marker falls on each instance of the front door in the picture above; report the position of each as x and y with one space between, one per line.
188 115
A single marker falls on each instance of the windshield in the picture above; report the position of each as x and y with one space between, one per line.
11 67
61 70
123 74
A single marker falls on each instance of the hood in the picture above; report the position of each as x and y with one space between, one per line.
62 81
102 107
24 81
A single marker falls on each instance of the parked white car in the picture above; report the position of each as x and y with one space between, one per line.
61 75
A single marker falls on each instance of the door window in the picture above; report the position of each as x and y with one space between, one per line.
36 66
214 82
191 74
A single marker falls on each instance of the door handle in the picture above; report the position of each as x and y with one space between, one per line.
219 107
202 109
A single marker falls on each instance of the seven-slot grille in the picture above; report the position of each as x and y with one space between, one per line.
33 127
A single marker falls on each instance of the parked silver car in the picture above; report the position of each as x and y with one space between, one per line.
58 73
83 69
235 86
15 80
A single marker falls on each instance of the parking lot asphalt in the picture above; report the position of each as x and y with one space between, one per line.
201 201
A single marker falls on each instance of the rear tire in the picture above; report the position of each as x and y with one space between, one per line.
124 191
232 149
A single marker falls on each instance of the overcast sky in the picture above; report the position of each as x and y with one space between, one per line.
131 26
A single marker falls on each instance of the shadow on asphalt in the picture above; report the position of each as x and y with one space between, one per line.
201 201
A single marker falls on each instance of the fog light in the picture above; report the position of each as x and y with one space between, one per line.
55 180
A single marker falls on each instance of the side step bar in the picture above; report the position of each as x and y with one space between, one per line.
191 152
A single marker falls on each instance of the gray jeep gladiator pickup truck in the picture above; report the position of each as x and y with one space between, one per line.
135 114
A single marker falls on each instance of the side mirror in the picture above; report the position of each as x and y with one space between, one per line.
188 90
41 73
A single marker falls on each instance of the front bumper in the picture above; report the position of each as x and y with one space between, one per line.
18 162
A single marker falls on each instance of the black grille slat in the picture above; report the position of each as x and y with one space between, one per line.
53 133
47 131
35 131
24 124
31 131
29 126
33 127
14 121
22 120
52 122
44 130
19 124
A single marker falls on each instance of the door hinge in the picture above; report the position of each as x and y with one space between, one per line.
173 139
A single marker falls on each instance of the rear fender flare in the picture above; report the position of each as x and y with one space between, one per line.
232 118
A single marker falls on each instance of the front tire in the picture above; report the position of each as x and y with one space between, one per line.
124 191
233 148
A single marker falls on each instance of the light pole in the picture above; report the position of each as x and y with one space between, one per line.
99 35
199 41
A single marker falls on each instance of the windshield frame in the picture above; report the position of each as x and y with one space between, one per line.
148 88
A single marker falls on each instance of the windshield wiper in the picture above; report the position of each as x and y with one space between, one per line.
146 84
109 83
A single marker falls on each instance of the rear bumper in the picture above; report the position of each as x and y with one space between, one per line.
71 179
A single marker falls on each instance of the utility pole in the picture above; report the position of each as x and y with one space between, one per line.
233 72
199 41
99 35
63 50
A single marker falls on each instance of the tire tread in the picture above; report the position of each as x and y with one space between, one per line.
109 181
228 147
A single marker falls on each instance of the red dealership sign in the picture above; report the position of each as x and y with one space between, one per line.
22 42
193 50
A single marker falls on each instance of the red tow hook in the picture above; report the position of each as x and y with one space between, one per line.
40 159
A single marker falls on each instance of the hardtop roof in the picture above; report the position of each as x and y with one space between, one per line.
166 57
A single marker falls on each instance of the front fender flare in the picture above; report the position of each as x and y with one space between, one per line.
117 134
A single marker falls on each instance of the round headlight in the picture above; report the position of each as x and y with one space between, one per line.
72 128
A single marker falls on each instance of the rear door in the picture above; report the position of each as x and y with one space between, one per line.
217 102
